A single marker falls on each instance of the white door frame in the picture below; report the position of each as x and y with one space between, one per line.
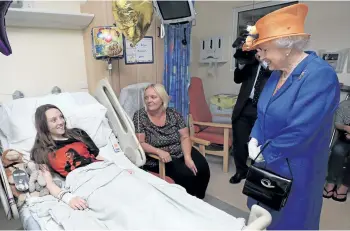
236 10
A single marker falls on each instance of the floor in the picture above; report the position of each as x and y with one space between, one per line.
229 198
6 224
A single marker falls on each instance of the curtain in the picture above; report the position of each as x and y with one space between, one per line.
176 77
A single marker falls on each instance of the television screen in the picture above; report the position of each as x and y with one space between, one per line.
174 9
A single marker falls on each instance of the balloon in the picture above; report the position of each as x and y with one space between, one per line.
133 18
107 42
5 46
108 38
99 35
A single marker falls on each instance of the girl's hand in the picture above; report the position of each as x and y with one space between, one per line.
78 203
47 176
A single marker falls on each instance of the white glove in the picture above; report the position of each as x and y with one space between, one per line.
252 147
254 150
260 157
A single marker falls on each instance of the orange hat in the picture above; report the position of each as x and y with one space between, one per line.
281 23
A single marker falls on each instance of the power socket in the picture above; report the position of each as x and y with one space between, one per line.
28 4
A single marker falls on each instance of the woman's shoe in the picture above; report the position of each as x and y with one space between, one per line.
327 192
335 196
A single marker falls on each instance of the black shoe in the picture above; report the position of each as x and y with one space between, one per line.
238 177
336 198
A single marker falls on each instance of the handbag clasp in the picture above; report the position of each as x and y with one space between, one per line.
267 183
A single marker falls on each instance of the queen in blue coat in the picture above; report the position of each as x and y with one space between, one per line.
295 112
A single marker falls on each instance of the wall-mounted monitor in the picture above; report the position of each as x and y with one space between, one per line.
171 12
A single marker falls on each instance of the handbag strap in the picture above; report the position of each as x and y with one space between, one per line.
260 153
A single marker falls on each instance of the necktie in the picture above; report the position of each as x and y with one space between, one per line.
257 87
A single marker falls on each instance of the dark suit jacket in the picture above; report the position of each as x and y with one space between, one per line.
246 76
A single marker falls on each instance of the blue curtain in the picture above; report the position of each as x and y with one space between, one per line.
176 77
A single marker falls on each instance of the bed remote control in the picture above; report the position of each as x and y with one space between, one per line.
115 143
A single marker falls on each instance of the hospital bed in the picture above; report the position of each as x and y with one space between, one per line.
114 136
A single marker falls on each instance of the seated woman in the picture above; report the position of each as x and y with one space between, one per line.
162 131
337 161
61 150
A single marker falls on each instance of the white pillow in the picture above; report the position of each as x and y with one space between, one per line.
16 119
17 116
92 119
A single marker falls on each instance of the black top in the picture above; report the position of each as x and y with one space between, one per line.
246 76
71 154
165 137
91 146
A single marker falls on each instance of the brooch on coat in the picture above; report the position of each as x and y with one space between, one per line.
301 75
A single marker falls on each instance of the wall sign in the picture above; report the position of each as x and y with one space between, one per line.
142 53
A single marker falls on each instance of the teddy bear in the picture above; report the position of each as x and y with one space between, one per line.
36 185
37 181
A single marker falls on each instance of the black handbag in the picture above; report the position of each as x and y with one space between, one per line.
267 187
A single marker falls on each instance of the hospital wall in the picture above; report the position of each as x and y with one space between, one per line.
327 22
122 74
43 58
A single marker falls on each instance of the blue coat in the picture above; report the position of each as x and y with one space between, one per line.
298 119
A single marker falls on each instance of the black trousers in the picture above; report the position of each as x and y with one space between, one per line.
196 185
337 174
241 129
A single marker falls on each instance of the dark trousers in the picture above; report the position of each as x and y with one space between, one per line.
338 165
241 129
196 185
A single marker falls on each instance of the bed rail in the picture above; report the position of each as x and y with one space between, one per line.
9 203
120 123
259 218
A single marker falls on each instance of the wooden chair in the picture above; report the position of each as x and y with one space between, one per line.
201 143
201 124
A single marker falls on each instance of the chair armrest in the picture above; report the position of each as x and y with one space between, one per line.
200 141
210 124
222 115
161 165
154 156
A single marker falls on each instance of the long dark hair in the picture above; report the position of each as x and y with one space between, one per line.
44 145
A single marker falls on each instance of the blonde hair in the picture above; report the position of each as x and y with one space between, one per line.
161 92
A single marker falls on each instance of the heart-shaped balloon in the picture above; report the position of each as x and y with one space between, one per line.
108 38
133 18
5 46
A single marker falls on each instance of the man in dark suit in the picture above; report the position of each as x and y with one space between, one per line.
253 76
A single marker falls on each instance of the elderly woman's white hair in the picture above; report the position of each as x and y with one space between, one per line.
161 92
293 42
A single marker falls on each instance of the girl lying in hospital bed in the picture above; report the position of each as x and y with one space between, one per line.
105 196
61 150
